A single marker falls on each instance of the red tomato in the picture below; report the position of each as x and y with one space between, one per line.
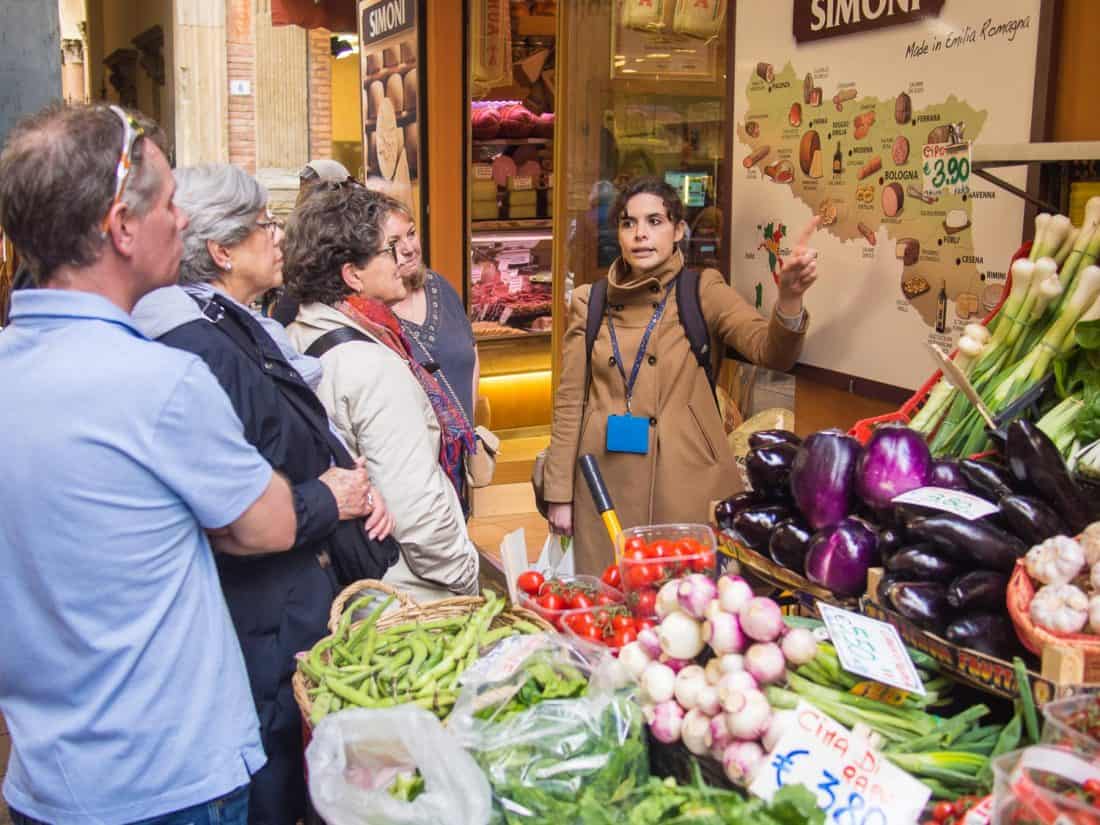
551 601
530 581
580 599
623 636
659 549
580 622
942 811
633 543
688 547
645 602
635 554
704 562
592 633
640 575
641 623
605 598
1092 786
622 622
612 577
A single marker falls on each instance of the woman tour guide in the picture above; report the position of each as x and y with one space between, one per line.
643 404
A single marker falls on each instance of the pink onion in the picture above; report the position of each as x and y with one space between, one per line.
761 619
740 761
765 662
667 599
799 646
736 683
676 664
634 658
666 721
650 643
694 593
681 636
733 592
720 735
658 682
695 732
689 682
723 634
748 714
707 702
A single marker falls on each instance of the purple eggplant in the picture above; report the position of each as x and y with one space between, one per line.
756 524
973 542
1033 459
789 544
922 563
946 473
838 557
822 477
989 633
761 438
769 469
978 590
923 603
894 460
727 509
890 540
986 479
1031 519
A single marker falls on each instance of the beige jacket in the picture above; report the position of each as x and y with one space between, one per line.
689 462
384 415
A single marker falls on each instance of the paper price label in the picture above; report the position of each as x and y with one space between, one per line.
946 168
853 783
871 648
956 502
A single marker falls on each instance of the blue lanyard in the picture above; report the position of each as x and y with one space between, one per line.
629 382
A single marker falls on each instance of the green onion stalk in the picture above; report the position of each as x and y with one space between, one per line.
1058 423
941 395
994 355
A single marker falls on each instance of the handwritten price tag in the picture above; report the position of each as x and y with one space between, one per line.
854 784
946 168
956 502
870 648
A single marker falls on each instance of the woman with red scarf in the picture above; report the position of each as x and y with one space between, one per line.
389 409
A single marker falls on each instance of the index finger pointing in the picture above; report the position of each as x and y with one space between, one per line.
807 233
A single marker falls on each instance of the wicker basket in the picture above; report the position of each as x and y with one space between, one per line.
359 588
1021 590
413 612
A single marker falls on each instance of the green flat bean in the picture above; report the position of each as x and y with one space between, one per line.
345 618
350 694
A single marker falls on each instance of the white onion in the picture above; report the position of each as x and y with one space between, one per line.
761 619
799 646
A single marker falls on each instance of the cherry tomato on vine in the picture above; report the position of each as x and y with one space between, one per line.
551 600
645 602
659 549
623 636
530 581
942 811
580 599
605 599
633 543
612 577
621 621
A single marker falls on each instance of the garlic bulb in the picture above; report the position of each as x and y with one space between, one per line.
1062 608
1057 560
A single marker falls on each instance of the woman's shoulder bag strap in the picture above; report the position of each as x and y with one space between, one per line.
691 318
335 337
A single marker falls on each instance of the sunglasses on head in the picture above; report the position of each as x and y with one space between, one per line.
131 133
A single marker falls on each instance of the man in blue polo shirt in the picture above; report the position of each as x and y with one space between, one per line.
121 678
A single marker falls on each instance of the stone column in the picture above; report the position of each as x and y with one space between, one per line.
30 60
201 82
72 70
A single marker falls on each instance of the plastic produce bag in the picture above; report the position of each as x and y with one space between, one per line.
551 759
356 755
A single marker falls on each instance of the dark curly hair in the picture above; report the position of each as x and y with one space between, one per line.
336 225
647 186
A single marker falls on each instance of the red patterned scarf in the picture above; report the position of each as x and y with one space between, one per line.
456 435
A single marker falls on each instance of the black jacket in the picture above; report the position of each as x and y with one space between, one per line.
280 603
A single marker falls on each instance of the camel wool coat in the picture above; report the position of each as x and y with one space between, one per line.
689 462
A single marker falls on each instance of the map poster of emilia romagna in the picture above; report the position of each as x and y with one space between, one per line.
864 113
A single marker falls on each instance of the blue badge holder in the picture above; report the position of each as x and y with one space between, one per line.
627 434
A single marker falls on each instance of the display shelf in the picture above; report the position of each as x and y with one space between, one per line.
521 225
984 157
512 141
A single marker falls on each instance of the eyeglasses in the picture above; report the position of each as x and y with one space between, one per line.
131 133
390 248
271 224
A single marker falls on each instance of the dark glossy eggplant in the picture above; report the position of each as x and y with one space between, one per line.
761 438
986 479
1031 519
890 540
882 592
922 563
983 545
1033 459
789 543
978 590
923 603
989 633
727 509
756 524
769 469
946 473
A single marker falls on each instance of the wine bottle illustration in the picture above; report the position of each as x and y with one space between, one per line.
941 308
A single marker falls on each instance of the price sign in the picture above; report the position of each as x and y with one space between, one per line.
956 502
870 648
946 168
854 784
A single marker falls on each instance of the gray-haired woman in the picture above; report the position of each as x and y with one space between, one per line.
279 604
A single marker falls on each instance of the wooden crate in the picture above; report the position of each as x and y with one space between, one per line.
1062 672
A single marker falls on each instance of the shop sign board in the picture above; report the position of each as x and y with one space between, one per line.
862 114
392 99
851 781
871 648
